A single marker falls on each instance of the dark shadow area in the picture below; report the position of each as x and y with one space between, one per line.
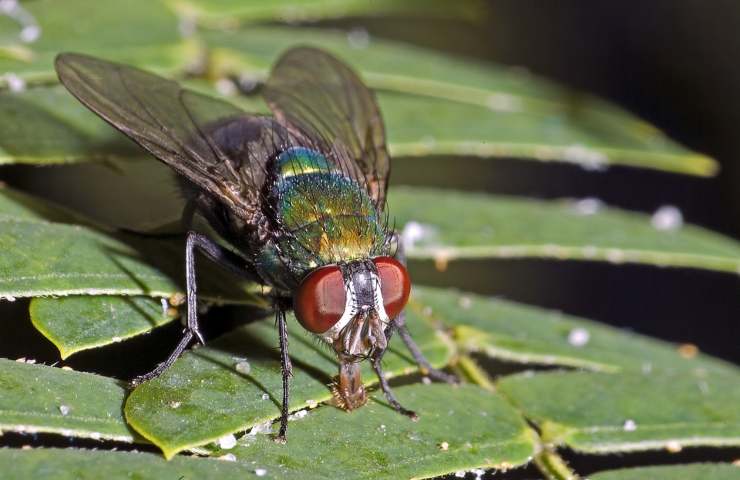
19 338
49 440
589 464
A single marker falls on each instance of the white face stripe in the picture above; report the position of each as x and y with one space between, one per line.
351 308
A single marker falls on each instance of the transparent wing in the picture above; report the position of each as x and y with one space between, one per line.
213 144
317 96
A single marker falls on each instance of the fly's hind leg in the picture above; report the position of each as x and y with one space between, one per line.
424 365
221 256
403 331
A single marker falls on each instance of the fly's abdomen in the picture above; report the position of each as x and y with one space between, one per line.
327 216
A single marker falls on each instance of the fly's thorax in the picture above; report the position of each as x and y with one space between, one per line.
324 217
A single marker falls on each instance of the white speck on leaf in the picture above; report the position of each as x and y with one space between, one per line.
589 159
465 302
14 82
30 33
298 415
7 6
444 446
358 38
503 102
629 425
64 410
227 442
226 87
265 396
265 427
579 337
614 255
229 457
587 206
673 446
260 472
667 219
414 233
426 380
243 367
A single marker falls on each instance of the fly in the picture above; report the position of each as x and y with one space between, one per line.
299 195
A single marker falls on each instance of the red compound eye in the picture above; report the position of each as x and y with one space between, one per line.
320 299
395 284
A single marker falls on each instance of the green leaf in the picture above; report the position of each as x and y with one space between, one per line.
42 257
696 471
376 442
603 413
508 227
372 442
80 323
202 397
37 398
227 12
463 107
520 333
46 125
102 28
78 464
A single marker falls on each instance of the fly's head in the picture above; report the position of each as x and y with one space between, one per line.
350 306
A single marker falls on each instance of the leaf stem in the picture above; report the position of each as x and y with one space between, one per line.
473 372
553 466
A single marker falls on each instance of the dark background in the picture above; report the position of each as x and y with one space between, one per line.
675 64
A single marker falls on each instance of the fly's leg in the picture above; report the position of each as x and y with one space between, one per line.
403 331
221 256
424 365
287 370
375 362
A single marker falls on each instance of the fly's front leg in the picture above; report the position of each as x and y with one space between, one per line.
220 256
375 362
287 370
403 331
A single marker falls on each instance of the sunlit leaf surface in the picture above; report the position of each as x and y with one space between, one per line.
28 50
515 114
37 398
81 322
44 255
449 225
486 432
661 408
203 396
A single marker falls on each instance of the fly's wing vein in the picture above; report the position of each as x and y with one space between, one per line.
212 143
322 100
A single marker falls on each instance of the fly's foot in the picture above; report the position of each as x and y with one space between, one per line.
136 381
411 414
198 336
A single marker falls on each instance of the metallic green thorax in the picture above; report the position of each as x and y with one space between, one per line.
326 218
